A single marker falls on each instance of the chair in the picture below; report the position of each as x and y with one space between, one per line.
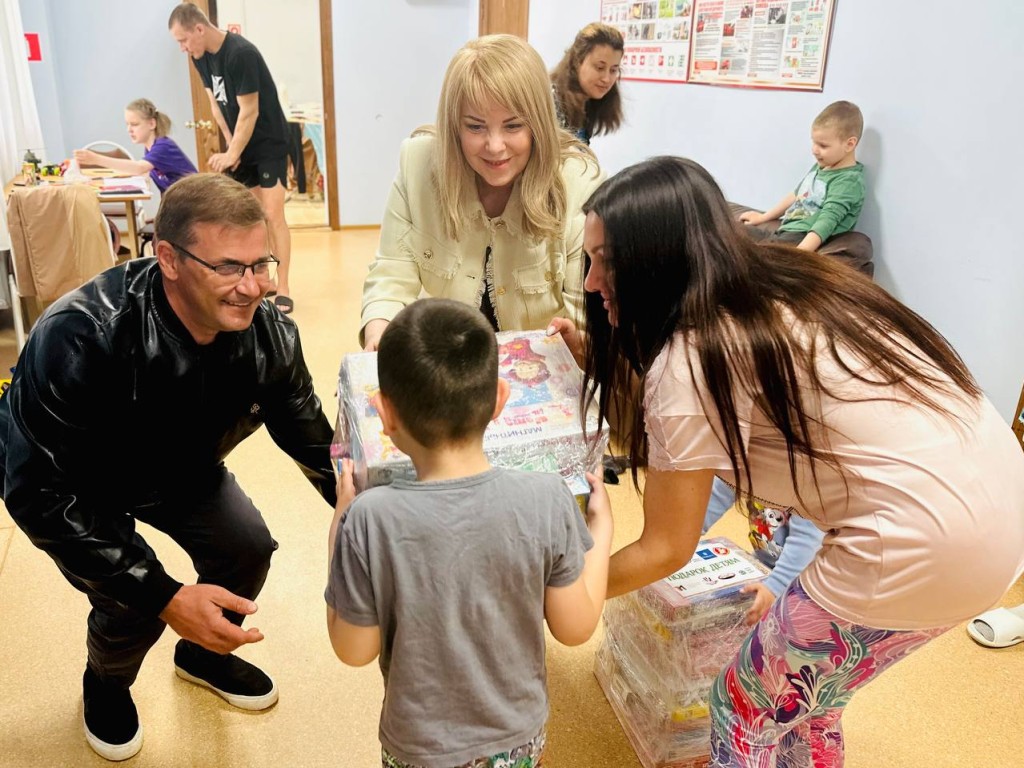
853 248
59 240
115 211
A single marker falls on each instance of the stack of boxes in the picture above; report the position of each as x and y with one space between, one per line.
664 645
539 429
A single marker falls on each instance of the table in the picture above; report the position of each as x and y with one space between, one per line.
128 200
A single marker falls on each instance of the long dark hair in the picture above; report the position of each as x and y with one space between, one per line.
679 263
598 116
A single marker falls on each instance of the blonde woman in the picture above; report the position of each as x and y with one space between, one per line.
163 159
486 208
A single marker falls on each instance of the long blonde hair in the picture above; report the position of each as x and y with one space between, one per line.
147 109
505 70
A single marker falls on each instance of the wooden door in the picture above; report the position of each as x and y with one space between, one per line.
209 139
505 16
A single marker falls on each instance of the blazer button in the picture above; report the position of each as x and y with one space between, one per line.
428 254
501 291
547 276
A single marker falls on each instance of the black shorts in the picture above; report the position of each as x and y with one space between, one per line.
263 173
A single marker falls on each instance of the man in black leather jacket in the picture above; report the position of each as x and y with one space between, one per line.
127 398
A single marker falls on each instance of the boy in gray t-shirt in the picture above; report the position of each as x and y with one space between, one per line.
449 578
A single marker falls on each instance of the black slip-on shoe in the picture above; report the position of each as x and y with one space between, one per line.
238 682
111 721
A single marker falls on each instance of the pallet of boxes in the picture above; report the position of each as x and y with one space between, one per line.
664 645
539 428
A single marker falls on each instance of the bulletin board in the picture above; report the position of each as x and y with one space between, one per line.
778 44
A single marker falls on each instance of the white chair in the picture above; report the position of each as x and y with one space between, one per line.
115 211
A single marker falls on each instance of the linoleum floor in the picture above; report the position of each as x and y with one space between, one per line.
952 705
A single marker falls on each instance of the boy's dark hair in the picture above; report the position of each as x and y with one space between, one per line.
187 16
843 117
437 364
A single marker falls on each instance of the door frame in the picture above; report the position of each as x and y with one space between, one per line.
330 130
201 103
505 16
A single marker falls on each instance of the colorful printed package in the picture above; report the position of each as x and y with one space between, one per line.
539 429
664 645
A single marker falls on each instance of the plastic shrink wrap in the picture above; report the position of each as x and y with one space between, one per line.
664 645
539 429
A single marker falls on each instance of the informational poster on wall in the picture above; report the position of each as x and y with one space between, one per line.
657 34
761 43
779 44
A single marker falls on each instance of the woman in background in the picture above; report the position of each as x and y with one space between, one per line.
163 159
585 83
487 205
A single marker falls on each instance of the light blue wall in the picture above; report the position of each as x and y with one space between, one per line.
940 92
390 57
98 56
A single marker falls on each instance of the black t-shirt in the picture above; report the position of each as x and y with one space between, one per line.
238 68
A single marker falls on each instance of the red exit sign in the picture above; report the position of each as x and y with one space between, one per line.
35 53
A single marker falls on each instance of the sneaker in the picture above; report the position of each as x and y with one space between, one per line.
238 682
111 721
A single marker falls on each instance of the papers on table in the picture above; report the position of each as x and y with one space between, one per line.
132 185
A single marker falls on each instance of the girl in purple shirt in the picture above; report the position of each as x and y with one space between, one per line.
163 160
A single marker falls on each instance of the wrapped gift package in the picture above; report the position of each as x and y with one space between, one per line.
664 646
539 429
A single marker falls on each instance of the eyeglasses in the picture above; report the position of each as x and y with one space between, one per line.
263 270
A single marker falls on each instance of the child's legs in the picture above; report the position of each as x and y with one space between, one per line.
792 238
528 755
779 702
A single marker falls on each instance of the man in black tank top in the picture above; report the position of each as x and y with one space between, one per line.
246 107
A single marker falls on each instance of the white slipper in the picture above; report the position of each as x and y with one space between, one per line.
998 628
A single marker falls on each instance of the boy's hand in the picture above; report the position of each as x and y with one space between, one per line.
762 602
599 507
346 487
346 493
752 217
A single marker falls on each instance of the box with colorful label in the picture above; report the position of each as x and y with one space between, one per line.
666 643
539 428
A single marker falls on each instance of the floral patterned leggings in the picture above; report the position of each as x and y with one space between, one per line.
778 704
529 755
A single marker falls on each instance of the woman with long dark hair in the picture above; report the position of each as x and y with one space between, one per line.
798 380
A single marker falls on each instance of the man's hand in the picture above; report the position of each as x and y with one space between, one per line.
571 335
223 161
196 613
762 602
752 217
